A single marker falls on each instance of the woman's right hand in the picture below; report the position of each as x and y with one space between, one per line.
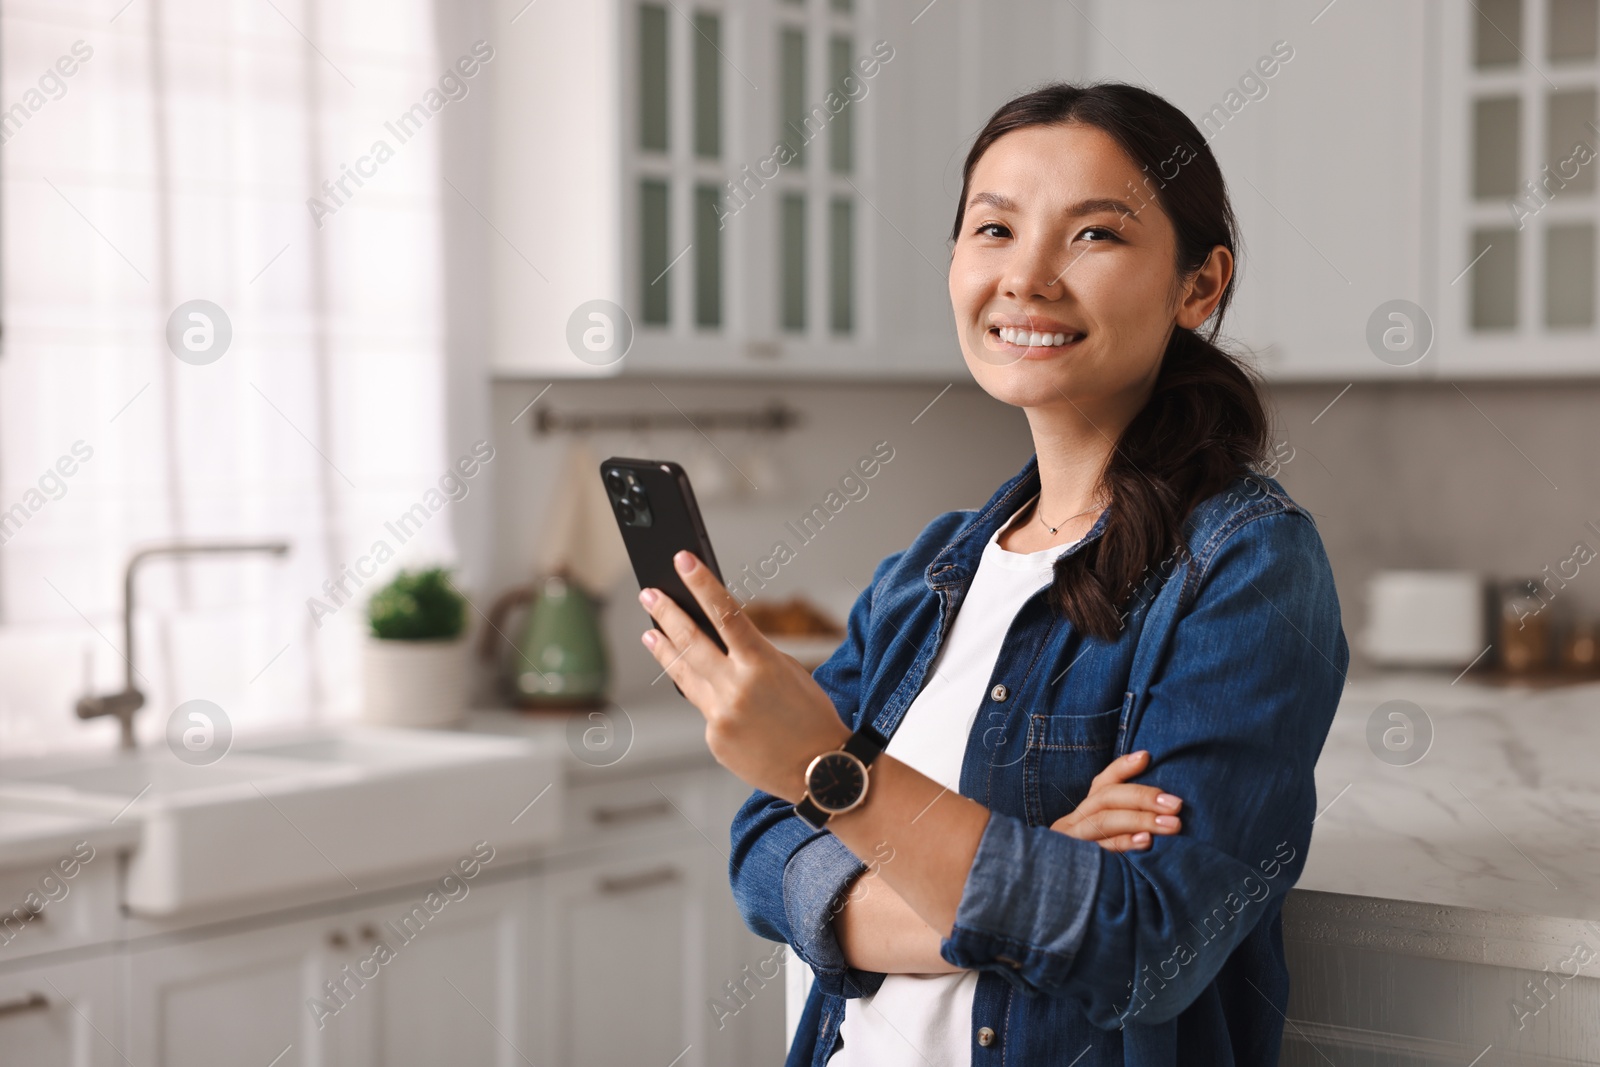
1119 815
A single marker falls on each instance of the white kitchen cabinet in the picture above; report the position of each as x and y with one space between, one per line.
240 995
1386 149
61 1015
84 912
1519 149
644 956
1325 169
453 993
1342 203
955 63
633 162
619 944
646 961
626 953
657 182
1439 154
457 993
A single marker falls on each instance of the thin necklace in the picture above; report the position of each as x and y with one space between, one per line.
1064 521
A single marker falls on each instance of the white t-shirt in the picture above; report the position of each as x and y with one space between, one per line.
917 1019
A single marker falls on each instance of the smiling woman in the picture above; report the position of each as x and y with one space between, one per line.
1165 636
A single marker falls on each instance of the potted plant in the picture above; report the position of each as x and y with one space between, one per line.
416 664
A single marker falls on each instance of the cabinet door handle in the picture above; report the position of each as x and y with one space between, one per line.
633 883
23 1005
650 809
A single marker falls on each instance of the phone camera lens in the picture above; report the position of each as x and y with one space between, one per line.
616 482
625 509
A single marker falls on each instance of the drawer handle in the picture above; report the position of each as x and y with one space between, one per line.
23 1005
650 809
633 883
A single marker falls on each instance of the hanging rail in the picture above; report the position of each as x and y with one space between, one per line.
774 418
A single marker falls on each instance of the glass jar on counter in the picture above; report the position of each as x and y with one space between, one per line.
1580 647
1524 628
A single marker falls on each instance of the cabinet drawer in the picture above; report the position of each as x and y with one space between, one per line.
605 812
43 910
62 1013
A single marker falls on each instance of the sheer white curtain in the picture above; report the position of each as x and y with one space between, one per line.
175 163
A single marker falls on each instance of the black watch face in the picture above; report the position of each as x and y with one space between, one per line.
836 782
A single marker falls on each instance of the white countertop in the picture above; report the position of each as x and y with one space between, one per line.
33 835
666 731
1498 819
1505 762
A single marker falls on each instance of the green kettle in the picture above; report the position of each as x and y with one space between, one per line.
558 660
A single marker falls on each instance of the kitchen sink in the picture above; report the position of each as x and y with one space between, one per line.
154 775
340 811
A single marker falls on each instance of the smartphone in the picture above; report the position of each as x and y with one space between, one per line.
658 516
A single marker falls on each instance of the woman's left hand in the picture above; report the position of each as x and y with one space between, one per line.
766 717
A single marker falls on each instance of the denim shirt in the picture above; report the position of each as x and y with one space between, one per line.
1228 669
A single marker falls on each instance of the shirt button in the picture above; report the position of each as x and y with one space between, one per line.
998 692
985 1037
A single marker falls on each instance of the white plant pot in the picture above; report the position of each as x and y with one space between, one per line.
415 683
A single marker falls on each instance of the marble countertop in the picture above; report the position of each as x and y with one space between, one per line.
1490 834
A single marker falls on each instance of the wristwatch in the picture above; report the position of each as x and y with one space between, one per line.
837 781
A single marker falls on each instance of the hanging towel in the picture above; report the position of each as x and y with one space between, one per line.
580 532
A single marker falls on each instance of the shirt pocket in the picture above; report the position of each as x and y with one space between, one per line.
1063 755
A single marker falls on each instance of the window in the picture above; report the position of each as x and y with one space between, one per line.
1534 141
321 424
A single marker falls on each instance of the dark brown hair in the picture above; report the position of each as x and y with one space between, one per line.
1204 423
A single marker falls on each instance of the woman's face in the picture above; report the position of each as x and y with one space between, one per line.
1063 278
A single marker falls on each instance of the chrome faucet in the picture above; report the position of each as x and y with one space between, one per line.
122 705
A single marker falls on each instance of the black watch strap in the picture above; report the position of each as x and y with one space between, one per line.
810 814
864 745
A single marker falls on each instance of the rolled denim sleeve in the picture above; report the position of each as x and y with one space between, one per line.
1027 900
787 878
815 881
1234 715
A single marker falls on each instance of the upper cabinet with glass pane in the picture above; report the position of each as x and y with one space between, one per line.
1439 154
1519 120
1317 116
764 187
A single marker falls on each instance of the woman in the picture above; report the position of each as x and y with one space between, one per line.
1136 586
